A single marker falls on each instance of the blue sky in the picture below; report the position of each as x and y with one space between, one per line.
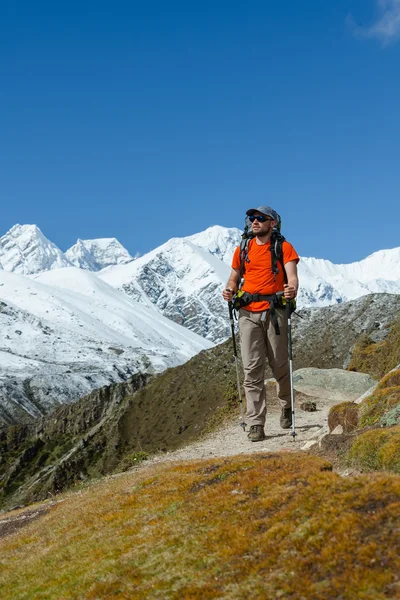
149 120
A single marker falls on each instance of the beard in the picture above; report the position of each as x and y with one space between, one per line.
262 233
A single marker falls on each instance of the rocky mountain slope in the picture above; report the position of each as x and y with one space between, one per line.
183 281
325 337
67 332
85 330
105 428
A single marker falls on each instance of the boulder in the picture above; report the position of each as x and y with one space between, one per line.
333 384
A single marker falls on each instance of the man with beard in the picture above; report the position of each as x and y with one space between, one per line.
263 329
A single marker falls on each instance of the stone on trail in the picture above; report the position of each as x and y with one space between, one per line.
308 406
335 384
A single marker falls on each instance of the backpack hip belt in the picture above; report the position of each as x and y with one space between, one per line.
242 299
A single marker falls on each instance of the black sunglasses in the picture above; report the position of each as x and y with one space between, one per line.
259 218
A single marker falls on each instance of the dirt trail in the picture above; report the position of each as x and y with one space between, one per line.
231 439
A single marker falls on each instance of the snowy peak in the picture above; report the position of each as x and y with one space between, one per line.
219 241
25 250
182 280
94 255
384 264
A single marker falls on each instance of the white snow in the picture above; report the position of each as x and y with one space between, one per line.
25 250
327 283
94 255
219 241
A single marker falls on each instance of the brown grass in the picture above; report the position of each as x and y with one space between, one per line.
344 414
391 380
261 526
376 450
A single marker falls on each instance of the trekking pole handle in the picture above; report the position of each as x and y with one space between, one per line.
288 312
230 306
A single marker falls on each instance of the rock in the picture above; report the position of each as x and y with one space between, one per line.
335 384
366 394
308 406
338 430
335 443
344 414
309 444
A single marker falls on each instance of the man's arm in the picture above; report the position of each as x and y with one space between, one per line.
232 285
292 285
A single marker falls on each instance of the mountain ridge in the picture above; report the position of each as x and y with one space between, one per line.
183 278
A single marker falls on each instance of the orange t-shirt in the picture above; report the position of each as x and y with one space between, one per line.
258 275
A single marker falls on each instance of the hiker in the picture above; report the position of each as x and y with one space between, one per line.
263 269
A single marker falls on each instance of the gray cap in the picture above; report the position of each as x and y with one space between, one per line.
265 210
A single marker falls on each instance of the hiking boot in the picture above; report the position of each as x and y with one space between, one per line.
286 418
256 433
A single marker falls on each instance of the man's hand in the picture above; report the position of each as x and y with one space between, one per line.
289 291
227 294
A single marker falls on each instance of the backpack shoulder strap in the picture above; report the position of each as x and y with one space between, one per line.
244 256
277 240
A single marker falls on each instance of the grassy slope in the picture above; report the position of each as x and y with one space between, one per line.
260 526
264 526
374 424
377 358
173 408
377 445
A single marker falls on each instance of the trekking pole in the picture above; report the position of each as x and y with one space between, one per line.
290 366
242 423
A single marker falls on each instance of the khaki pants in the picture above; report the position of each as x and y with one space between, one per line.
258 343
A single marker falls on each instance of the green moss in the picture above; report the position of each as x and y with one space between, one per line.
376 450
391 418
378 404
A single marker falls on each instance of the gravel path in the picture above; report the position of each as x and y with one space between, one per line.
231 439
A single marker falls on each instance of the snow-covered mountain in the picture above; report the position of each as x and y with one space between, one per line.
219 241
184 279
323 283
67 332
94 255
25 250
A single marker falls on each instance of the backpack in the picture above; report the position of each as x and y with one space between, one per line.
277 240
